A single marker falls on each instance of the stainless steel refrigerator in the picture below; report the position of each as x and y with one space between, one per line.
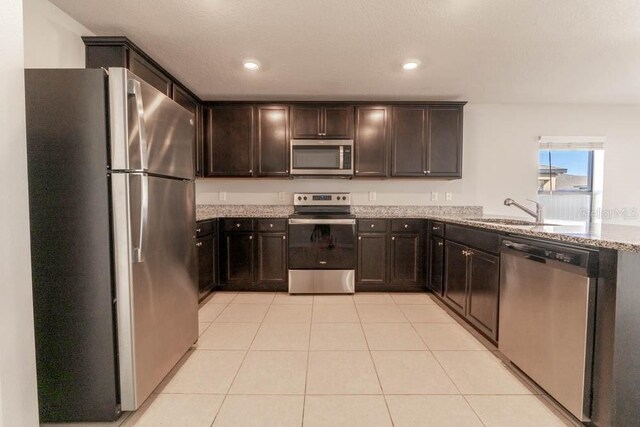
112 210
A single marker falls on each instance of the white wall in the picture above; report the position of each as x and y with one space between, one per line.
51 37
18 404
500 160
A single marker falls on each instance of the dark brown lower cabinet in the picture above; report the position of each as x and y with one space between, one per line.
406 259
484 290
271 258
373 256
238 258
255 254
207 246
472 286
435 263
455 289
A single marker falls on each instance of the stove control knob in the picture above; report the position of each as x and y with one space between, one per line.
299 198
344 197
305 197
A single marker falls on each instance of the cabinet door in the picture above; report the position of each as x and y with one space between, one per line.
436 263
238 256
455 280
150 74
230 141
408 145
405 259
444 139
371 141
306 122
372 259
337 122
205 263
272 140
186 101
484 289
272 258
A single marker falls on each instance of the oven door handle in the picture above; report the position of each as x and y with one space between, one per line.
294 221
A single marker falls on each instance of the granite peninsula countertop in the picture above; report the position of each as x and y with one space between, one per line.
610 236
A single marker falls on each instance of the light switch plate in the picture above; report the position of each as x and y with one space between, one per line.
281 196
372 196
448 196
434 196
222 195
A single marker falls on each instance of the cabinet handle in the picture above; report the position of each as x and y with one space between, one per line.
357 171
428 171
424 171
250 237
286 171
393 238
284 237
464 253
435 228
198 230
359 237
406 226
372 225
250 170
271 225
439 243
469 253
199 244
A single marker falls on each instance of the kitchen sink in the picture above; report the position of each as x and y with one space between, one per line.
507 221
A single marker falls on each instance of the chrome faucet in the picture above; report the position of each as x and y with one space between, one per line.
538 214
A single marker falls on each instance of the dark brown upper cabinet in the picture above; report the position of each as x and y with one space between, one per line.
426 141
322 121
371 141
191 104
149 73
272 140
444 142
229 141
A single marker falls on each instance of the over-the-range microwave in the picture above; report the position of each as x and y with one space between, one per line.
322 157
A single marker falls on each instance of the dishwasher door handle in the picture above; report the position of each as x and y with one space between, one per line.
536 259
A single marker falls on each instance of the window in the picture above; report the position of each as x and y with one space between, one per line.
569 177
565 170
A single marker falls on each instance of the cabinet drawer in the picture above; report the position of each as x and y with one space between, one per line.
372 225
408 225
238 224
436 228
204 228
272 224
484 240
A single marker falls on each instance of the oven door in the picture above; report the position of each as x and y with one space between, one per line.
321 157
322 244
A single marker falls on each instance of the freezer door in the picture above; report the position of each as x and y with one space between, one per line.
156 279
149 131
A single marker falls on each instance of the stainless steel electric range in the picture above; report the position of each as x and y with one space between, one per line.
322 244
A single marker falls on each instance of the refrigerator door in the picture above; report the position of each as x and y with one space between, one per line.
149 131
156 279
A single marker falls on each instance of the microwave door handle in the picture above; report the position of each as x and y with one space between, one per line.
341 157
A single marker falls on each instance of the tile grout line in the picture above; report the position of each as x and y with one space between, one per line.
246 353
375 369
306 376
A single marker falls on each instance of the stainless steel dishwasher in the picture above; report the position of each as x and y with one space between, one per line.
547 294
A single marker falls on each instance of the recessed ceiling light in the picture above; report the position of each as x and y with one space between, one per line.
251 65
411 65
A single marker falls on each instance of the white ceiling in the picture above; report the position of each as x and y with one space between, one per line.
557 51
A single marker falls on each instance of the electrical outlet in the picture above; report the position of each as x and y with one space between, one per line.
434 196
372 196
448 196
222 195
281 196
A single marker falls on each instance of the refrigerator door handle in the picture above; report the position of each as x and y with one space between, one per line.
138 255
135 90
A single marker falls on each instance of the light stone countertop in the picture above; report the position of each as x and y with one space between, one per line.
610 236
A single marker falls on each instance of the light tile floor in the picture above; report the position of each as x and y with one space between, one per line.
372 359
